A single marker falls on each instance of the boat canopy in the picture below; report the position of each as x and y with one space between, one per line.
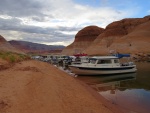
122 55
103 57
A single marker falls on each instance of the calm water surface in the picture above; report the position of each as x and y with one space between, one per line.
129 91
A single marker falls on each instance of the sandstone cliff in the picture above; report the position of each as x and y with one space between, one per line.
131 35
125 36
83 39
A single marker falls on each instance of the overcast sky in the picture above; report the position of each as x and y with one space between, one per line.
58 21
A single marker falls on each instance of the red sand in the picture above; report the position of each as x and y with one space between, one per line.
38 87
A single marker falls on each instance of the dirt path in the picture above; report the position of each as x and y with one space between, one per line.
37 87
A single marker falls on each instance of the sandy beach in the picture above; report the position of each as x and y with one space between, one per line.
38 87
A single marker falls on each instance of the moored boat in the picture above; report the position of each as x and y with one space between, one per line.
103 65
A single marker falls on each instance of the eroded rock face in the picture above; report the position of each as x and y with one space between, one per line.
88 33
2 40
83 39
130 35
125 36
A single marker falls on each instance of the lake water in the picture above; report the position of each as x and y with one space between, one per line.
131 92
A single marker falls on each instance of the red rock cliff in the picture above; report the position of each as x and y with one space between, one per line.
124 36
83 39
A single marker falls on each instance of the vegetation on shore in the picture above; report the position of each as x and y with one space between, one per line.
13 57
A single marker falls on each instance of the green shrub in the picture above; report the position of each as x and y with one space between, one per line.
13 57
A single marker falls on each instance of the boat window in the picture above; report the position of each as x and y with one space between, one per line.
116 61
104 61
93 61
99 62
78 59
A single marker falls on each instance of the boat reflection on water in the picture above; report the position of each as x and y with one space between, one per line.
131 92
103 79
124 90
112 82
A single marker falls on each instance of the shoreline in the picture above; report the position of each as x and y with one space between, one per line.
107 103
99 97
38 87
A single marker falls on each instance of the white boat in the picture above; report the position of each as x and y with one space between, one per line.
79 60
103 65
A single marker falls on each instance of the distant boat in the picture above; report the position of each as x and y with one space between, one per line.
103 65
79 60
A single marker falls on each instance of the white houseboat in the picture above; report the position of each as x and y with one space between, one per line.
103 65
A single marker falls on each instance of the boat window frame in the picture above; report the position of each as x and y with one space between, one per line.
103 61
92 60
116 60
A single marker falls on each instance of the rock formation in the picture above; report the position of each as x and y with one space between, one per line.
29 47
125 36
130 35
83 39
6 46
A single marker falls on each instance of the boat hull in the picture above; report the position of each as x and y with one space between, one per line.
102 71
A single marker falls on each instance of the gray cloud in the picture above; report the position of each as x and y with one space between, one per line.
20 8
15 24
6 23
46 21
35 33
34 10
47 38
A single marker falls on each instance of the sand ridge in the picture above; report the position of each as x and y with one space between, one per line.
38 87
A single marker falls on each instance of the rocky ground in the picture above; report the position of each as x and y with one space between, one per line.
141 57
38 87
